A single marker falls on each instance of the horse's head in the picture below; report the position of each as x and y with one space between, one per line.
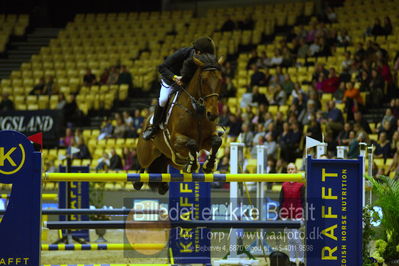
210 85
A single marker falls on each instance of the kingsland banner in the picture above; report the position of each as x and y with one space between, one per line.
50 122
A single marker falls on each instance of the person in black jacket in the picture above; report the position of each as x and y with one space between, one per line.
178 68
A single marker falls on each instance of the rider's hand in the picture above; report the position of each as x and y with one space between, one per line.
178 81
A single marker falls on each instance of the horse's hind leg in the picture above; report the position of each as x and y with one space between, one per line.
210 166
159 166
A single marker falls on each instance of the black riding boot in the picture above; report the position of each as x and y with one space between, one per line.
150 132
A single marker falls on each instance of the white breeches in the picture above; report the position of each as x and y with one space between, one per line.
166 90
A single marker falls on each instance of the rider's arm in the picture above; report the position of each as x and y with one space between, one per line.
175 59
188 70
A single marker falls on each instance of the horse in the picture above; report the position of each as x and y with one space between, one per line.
190 127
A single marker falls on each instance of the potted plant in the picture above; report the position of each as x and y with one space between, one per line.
387 243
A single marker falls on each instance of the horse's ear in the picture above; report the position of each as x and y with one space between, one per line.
198 62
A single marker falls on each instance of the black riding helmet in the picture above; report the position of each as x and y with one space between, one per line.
204 45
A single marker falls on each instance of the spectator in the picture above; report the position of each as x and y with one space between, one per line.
353 100
6 104
265 61
280 96
376 86
331 84
113 76
103 163
130 159
84 152
303 50
388 117
343 136
229 89
89 78
125 77
104 76
106 129
67 140
277 59
331 15
228 25
288 85
270 146
292 206
38 89
127 118
61 102
348 61
138 119
72 112
314 129
306 114
335 119
253 60
358 118
246 136
50 87
377 29
258 98
343 38
387 26
394 167
115 162
235 125
120 128
285 142
258 78
382 147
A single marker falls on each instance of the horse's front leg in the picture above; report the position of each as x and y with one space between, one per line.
190 145
210 165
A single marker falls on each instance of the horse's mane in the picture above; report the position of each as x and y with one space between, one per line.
209 61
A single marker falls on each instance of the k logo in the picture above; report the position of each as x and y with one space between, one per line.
8 158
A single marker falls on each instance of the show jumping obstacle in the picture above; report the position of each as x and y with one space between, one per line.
20 166
123 177
120 246
44 196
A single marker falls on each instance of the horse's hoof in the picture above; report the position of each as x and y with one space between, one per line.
191 167
209 167
163 188
138 185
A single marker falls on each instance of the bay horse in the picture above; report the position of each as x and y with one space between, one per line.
190 127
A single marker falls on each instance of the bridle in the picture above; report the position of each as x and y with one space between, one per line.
199 104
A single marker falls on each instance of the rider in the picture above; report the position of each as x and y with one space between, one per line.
171 73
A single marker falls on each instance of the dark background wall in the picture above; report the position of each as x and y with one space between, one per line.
54 13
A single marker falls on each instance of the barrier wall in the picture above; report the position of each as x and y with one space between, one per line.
330 185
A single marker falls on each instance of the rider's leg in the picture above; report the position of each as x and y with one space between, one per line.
158 113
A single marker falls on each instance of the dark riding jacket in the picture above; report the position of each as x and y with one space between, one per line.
180 64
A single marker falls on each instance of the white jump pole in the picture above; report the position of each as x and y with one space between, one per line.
236 166
362 148
260 187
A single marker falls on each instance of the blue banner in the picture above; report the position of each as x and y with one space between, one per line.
190 201
79 199
20 228
334 212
